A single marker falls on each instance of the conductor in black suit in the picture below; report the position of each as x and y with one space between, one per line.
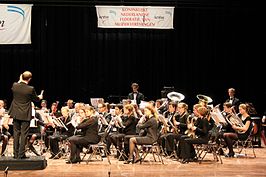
21 112
135 94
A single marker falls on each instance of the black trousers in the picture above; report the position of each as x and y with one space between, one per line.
21 130
186 146
54 142
76 145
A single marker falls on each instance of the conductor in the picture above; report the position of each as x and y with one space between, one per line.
21 112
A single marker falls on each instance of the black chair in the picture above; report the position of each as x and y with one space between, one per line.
96 151
154 149
247 144
213 146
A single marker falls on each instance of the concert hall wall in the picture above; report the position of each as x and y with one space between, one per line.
210 49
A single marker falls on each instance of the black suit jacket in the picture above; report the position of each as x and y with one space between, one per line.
139 97
23 95
89 129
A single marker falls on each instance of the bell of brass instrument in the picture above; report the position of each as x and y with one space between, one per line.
204 98
191 120
217 116
175 96
234 119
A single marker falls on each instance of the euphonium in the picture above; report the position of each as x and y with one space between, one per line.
233 119
191 120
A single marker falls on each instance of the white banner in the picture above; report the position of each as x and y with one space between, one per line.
15 23
135 17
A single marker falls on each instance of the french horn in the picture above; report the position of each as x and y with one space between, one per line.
175 96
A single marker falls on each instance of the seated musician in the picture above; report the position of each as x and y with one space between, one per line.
197 134
35 129
103 112
180 123
227 111
4 134
166 131
88 134
61 132
151 128
241 132
129 123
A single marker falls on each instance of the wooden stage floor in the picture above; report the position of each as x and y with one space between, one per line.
239 167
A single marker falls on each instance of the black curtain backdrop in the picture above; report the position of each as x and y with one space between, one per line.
209 50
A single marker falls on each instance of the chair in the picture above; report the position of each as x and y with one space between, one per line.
244 145
213 146
96 150
154 149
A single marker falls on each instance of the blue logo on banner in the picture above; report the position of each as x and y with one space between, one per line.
16 10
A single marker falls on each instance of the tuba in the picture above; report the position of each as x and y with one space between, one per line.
204 98
175 96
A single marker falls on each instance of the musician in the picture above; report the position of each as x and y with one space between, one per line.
233 99
151 136
75 116
61 133
129 123
44 106
135 94
54 110
169 115
4 134
103 111
200 129
180 122
227 111
89 134
35 129
2 109
21 111
241 133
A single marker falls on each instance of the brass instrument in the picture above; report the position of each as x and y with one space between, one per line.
204 98
175 96
176 130
233 119
165 126
191 120
217 116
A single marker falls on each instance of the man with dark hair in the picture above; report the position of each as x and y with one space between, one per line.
21 112
135 94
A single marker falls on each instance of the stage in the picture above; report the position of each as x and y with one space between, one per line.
241 166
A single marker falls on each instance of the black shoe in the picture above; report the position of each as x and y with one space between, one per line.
129 161
73 161
34 150
220 151
52 156
138 160
184 161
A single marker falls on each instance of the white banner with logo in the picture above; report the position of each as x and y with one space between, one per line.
15 23
135 17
